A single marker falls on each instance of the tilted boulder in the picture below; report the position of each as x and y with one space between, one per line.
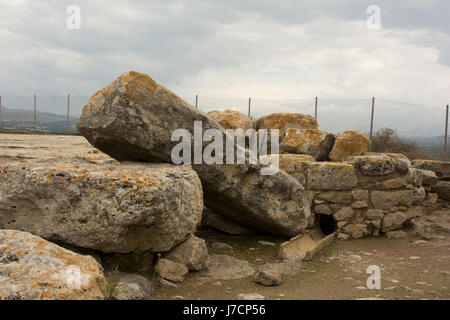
230 119
349 143
107 207
133 119
32 268
441 168
283 121
308 141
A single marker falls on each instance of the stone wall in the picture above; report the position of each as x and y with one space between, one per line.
366 195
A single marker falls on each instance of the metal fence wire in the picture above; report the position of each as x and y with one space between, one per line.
424 123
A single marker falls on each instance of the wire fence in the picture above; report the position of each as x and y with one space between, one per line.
423 124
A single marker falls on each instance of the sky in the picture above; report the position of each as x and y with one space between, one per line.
282 54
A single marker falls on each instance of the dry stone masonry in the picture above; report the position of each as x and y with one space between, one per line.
328 186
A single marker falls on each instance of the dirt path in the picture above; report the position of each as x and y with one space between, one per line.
410 269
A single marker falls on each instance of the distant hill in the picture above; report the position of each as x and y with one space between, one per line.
24 120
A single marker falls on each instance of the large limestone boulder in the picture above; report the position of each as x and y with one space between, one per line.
230 119
32 268
441 168
308 141
349 143
133 119
283 121
108 207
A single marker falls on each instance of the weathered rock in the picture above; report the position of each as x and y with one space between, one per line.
441 168
330 176
268 278
283 121
344 214
343 236
429 178
356 230
341 197
360 195
292 164
442 188
308 141
419 195
193 253
225 267
347 144
112 208
230 119
360 204
388 199
393 221
414 177
225 225
172 271
305 247
374 164
322 209
32 269
375 214
134 118
132 287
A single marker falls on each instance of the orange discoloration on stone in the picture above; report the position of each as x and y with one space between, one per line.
349 143
282 121
230 119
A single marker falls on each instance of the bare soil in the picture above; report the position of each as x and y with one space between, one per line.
410 269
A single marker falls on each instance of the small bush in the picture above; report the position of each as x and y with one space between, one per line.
386 140
113 280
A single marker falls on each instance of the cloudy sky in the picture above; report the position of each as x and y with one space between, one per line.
281 53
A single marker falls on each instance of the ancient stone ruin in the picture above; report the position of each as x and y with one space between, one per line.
327 187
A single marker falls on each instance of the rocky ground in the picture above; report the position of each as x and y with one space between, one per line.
411 268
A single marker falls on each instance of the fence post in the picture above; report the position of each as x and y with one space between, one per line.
371 122
196 101
68 113
315 109
446 134
1 124
249 105
35 114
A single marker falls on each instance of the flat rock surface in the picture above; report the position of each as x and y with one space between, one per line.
107 207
